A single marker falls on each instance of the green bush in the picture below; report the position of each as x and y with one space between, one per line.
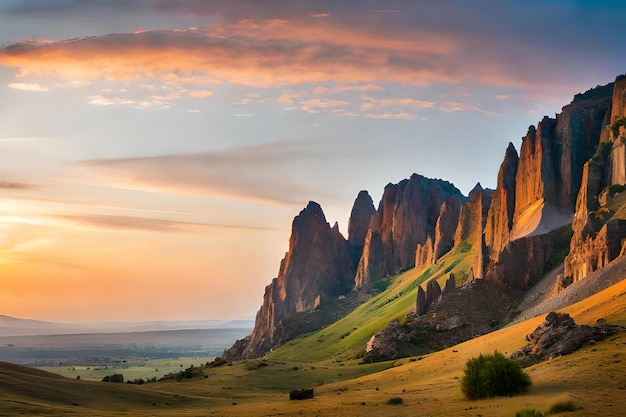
529 412
616 125
395 401
561 407
493 375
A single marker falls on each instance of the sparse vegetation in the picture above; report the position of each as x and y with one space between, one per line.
395 401
616 188
561 407
464 247
616 125
601 155
529 412
561 238
493 375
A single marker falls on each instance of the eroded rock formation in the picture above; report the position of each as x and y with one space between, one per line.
360 217
598 235
406 216
558 335
316 266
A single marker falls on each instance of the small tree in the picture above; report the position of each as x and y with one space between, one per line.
493 375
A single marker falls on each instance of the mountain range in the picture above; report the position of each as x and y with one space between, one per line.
558 203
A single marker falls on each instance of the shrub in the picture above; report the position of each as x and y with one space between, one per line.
395 401
616 125
529 412
493 375
561 407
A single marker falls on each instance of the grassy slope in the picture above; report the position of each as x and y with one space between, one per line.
347 337
593 378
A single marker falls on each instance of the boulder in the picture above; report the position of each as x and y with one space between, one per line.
558 335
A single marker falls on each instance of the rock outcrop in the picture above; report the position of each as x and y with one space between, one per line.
446 226
360 217
558 335
472 224
502 208
316 266
406 217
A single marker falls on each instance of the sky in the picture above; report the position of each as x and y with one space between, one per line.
153 153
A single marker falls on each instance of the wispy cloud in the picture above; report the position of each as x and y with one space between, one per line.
9 185
201 93
107 221
454 106
28 87
388 116
279 172
315 105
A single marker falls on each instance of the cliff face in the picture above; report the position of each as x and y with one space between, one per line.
616 134
406 217
360 217
471 225
537 192
317 265
551 161
598 234
502 208
446 226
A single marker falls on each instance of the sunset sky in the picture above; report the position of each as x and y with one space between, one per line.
154 152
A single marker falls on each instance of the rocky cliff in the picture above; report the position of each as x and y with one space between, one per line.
360 217
571 167
598 229
406 217
472 224
317 265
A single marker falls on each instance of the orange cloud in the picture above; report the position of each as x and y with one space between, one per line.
314 105
201 93
255 53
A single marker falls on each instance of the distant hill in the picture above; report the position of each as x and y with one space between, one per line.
13 326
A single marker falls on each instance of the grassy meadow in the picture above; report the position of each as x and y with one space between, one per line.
592 379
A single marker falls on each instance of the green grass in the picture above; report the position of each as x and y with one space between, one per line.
347 337
131 370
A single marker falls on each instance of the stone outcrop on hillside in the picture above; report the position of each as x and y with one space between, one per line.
406 216
558 335
317 262
433 294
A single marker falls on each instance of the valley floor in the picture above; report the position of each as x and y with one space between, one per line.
593 378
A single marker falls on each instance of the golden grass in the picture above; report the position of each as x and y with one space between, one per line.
592 378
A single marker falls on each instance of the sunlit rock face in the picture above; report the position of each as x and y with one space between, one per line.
316 266
597 237
406 217
546 186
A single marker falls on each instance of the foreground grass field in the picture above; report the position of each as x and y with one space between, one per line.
593 379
